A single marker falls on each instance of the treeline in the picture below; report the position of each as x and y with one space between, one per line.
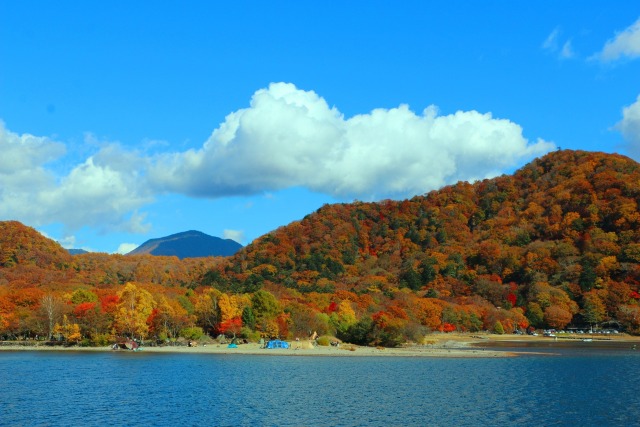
555 244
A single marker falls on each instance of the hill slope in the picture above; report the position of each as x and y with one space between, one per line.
555 244
558 238
189 244
22 245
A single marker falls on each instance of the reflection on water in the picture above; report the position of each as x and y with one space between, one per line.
48 388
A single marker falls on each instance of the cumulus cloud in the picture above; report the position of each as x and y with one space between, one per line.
102 192
285 138
291 137
96 194
125 248
26 152
236 235
22 165
624 44
629 126
68 242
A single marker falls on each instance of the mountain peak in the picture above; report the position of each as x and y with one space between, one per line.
188 244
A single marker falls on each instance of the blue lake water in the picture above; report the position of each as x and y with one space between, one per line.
578 386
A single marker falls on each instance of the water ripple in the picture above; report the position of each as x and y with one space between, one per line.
49 389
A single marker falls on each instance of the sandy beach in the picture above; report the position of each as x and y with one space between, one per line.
437 345
454 350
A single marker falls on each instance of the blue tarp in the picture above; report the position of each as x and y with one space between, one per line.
277 344
232 345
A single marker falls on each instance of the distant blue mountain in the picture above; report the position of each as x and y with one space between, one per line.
77 251
189 244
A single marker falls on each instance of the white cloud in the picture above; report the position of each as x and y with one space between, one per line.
629 126
551 42
107 190
22 166
68 242
236 235
98 194
552 45
567 50
287 137
101 192
125 248
290 137
25 152
624 44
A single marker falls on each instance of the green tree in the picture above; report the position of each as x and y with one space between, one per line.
248 318
427 272
411 279
82 295
534 314
265 305
588 276
359 333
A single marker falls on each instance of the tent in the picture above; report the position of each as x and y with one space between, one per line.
132 345
126 345
277 344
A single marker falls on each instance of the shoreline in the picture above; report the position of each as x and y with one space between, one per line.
437 345
255 350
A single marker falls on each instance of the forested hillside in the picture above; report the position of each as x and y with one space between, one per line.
554 244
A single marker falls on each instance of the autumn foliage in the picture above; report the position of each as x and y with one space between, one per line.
555 244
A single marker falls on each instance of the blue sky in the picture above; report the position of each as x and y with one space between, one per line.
122 122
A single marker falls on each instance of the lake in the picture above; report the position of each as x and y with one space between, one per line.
579 386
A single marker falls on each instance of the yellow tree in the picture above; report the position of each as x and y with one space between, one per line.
132 311
594 310
70 331
206 309
169 318
343 318
346 314
229 307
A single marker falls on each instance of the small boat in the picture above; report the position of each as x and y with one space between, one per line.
587 339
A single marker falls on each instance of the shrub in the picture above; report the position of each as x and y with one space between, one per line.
100 340
250 335
324 341
192 333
